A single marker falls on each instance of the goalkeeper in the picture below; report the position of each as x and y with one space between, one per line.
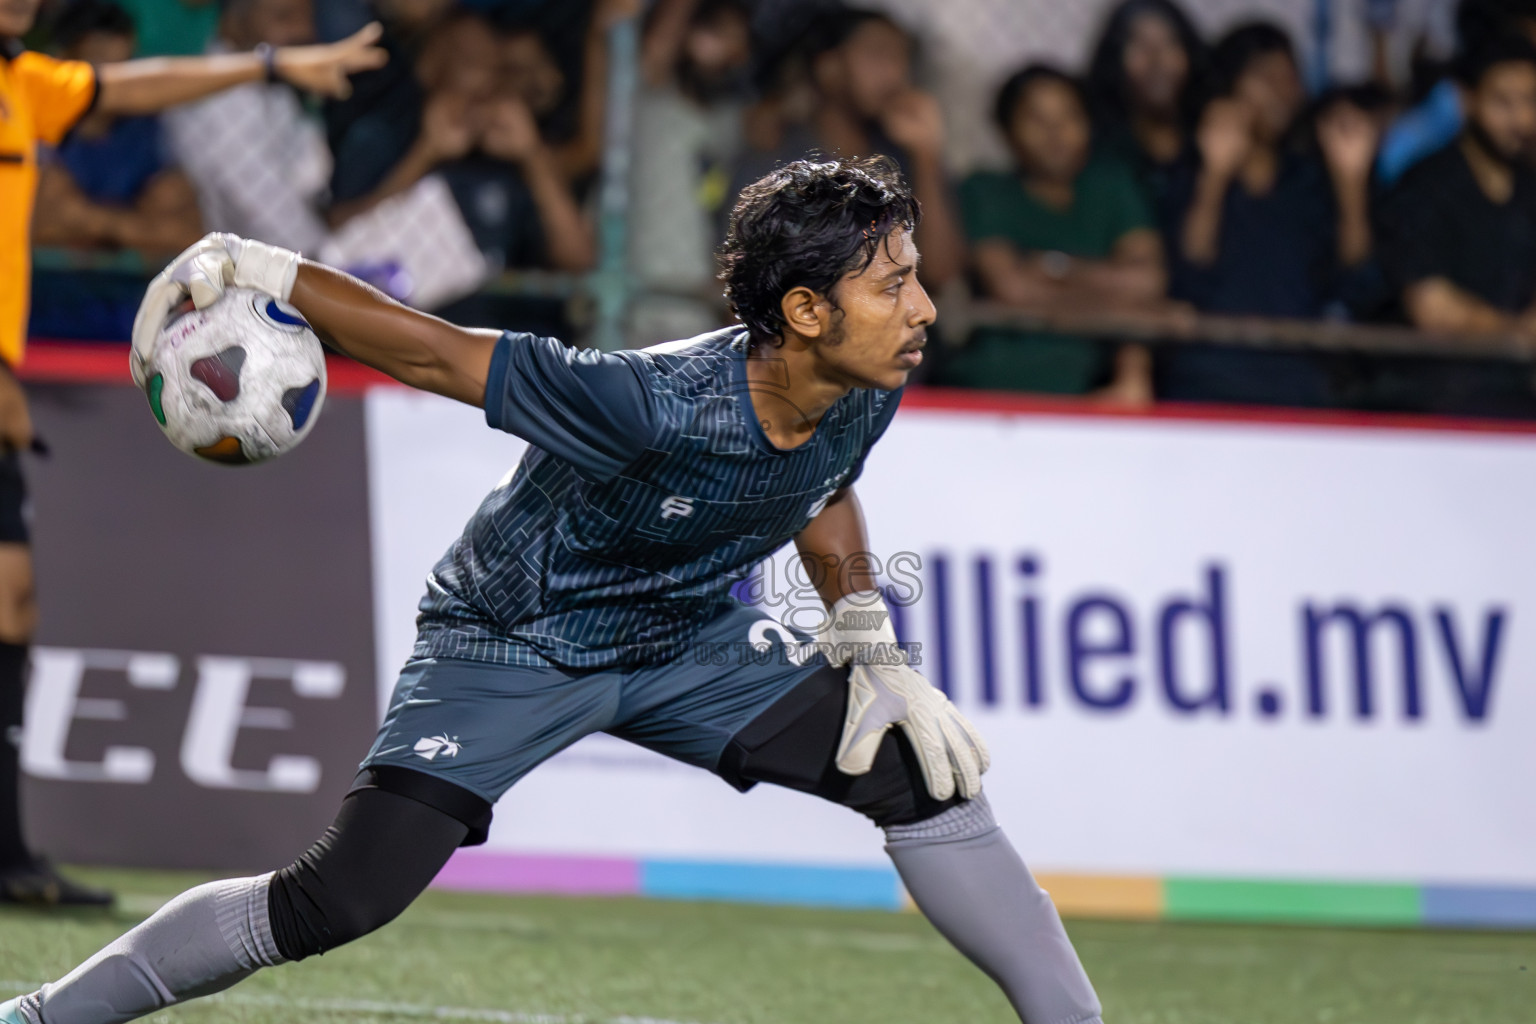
590 593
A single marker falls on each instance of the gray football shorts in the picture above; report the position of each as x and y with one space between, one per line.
482 726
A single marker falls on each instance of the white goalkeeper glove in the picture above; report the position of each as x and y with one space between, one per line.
885 691
201 273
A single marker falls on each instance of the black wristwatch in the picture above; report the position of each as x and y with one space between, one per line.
267 54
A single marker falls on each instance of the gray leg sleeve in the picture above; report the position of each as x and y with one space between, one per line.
201 942
967 879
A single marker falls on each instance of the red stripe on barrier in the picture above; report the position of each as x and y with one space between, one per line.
344 376
87 363
92 364
71 363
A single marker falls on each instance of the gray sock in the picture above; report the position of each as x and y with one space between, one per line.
201 942
966 878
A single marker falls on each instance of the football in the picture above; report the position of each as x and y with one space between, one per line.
239 382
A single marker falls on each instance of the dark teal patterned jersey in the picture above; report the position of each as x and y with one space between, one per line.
649 489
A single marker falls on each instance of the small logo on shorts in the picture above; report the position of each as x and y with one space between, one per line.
677 506
430 747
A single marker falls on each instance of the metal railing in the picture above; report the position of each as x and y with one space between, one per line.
601 299
1182 326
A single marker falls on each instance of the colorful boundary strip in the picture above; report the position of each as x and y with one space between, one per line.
1125 898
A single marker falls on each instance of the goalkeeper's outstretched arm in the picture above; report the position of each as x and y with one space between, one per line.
415 348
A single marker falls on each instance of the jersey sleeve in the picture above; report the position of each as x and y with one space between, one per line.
880 420
60 92
593 409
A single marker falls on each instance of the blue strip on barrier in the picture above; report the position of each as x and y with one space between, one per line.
772 883
1479 907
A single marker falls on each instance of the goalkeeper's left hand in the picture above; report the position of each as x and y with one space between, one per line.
884 691
201 273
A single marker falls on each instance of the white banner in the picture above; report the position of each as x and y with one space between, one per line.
1214 648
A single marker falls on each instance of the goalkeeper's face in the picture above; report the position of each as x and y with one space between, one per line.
878 319
17 16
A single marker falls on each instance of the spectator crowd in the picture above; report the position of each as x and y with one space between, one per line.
1174 175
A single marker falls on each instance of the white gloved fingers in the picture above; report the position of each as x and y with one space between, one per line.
207 275
861 743
948 751
863 726
211 242
220 243
926 734
924 725
962 756
161 297
983 755
968 751
230 242
168 290
961 752
968 734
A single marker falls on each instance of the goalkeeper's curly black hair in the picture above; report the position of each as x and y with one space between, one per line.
809 223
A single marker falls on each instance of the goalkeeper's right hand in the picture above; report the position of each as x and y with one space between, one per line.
884 691
201 273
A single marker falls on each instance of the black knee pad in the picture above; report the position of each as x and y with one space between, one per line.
310 916
379 854
794 744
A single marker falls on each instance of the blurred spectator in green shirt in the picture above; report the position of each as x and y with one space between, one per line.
1064 232
173 28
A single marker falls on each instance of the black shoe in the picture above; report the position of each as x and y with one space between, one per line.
39 884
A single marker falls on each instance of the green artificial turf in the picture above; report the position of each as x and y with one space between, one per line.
521 960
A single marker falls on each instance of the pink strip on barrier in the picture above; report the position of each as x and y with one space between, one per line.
507 872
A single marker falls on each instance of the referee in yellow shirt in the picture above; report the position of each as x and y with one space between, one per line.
41 99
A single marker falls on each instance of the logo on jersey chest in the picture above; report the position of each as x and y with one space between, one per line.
676 507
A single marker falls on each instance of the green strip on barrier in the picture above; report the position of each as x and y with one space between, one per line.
1320 902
